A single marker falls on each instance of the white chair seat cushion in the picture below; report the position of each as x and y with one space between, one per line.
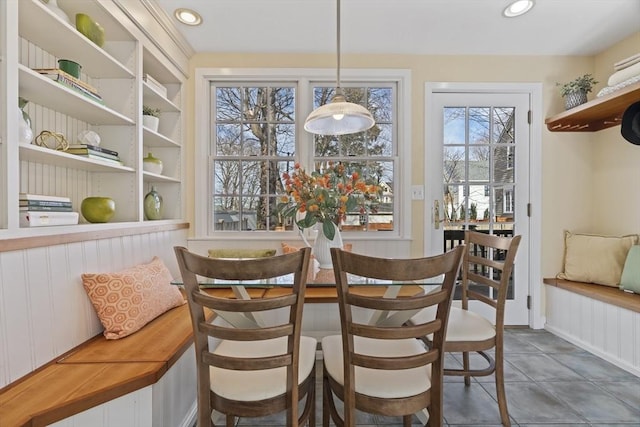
463 325
374 382
257 385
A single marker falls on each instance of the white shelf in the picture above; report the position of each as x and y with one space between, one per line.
44 91
35 153
153 99
154 177
43 28
155 139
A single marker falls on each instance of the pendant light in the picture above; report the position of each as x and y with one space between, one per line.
338 117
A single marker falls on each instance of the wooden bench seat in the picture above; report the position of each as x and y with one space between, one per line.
100 370
607 294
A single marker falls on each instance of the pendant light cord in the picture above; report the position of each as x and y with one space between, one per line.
338 89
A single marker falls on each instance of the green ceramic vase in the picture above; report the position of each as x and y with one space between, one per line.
153 206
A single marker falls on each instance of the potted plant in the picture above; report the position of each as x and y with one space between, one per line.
575 92
150 117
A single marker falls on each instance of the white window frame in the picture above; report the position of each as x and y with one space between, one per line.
305 77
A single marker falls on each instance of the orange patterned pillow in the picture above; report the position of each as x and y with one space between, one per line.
127 300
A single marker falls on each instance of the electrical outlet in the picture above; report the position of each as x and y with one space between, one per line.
417 192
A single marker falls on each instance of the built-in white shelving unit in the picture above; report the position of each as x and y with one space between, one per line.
37 39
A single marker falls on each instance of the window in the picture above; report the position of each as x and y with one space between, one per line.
249 131
372 153
253 143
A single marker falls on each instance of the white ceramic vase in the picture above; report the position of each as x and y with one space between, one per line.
151 122
322 246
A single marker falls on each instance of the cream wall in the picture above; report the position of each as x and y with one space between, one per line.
616 173
570 172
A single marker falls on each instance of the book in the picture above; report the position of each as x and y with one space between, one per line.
71 82
100 158
46 208
30 196
44 203
87 151
156 85
43 219
54 72
94 148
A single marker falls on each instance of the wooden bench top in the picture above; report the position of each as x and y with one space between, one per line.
100 370
58 391
608 294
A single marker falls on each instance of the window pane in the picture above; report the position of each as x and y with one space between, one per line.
479 163
226 178
228 102
503 126
454 164
454 125
479 120
228 140
380 140
381 104
503 171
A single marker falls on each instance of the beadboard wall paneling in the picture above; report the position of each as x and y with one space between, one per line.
44 310
608 331
130 410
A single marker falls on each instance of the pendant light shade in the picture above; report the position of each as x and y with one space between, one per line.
338 117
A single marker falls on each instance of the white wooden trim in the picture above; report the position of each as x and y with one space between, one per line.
536 316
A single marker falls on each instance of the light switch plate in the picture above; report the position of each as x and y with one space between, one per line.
417 192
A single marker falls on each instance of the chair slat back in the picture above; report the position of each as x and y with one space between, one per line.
487 269
348 265
194 267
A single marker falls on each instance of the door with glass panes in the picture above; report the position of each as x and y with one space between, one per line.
477 172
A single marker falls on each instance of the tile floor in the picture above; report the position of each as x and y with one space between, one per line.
549 382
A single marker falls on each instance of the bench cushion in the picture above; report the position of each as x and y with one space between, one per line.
127 300
595 259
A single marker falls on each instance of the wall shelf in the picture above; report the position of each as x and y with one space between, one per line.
600 113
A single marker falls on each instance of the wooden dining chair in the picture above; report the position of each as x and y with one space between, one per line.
261 369
382 366
486 271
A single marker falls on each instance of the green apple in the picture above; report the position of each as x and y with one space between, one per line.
98 209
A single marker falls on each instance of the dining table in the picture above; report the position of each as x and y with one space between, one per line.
323 281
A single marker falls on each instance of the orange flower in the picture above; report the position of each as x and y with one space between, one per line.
325 196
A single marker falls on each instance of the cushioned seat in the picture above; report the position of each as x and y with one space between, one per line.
397 383
463 325
257 385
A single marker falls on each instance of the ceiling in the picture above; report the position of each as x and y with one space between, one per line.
448 27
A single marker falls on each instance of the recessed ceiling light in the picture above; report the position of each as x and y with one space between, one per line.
188 16
517 8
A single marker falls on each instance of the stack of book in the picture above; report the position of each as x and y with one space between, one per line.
71 82
95 152
37 210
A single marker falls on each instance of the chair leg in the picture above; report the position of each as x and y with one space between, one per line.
231 421
500 391
406 420
465 365
326 394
